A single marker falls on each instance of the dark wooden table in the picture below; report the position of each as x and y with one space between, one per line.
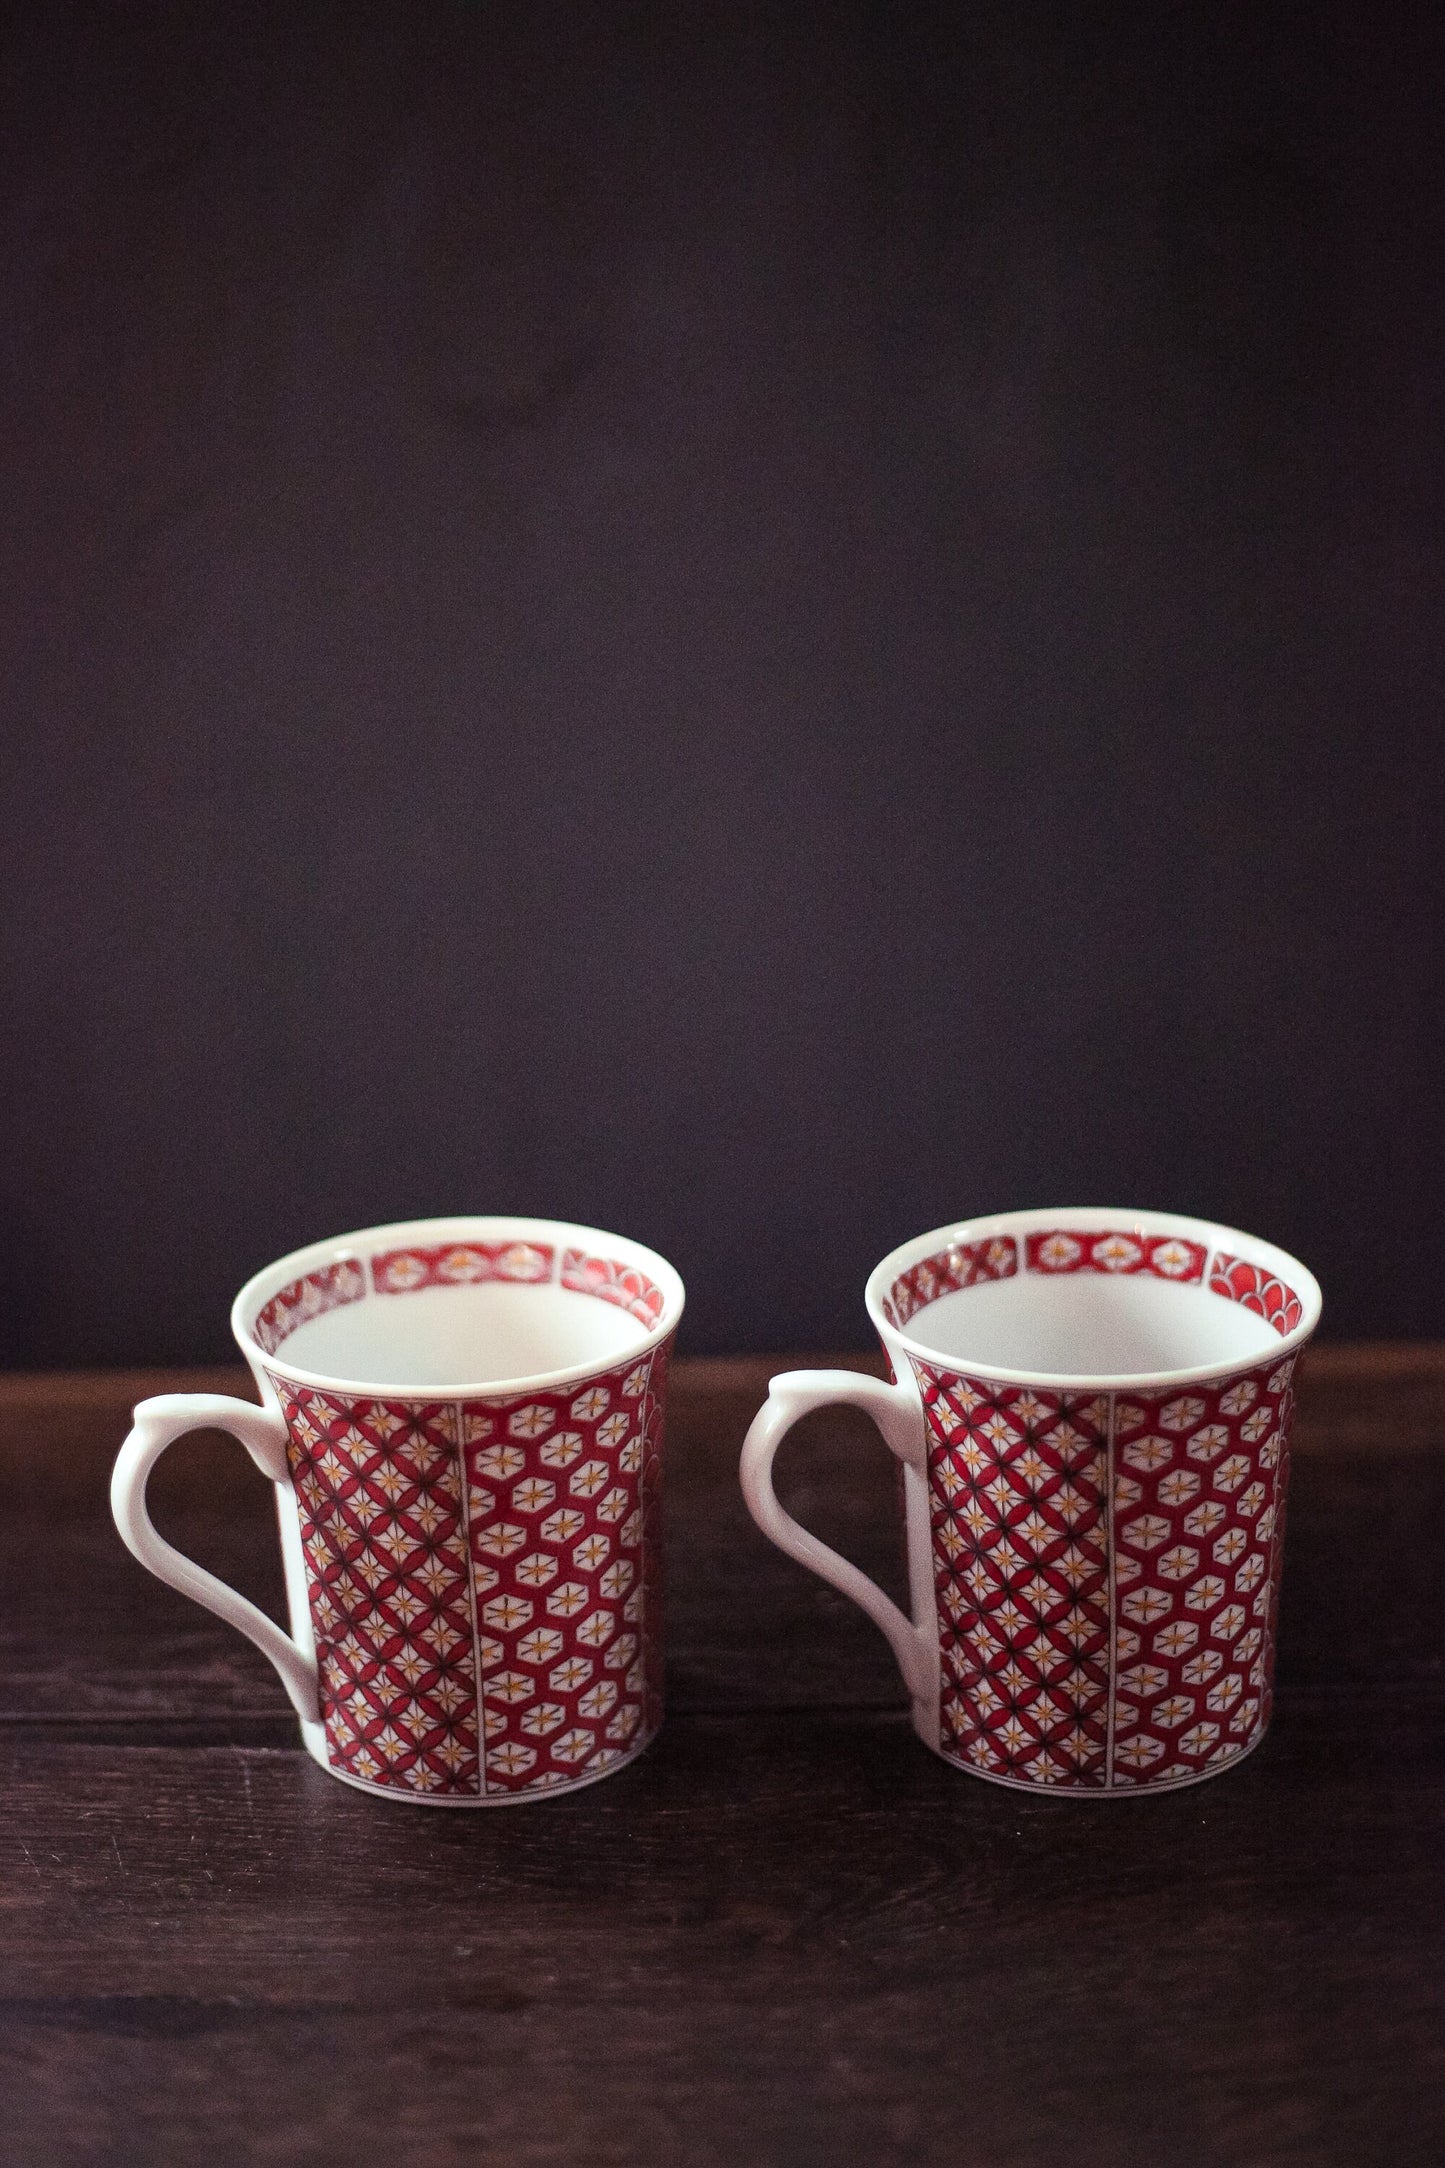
788 1935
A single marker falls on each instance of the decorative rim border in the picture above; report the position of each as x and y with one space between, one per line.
344 1262
1224 1248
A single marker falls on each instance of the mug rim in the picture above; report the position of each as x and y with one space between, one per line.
461 1228
1088 1219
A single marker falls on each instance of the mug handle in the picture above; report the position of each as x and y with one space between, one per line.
158 1423
795 1393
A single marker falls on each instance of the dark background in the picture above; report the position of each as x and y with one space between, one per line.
760 626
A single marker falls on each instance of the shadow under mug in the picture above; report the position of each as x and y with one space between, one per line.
463 1420
1092 1409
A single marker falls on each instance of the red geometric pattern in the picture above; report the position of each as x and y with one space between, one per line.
624 1285
484 1580
556 1513
379 1493
1107 1573
324 1289
1021 1571
459 1264
653 1402
963 1264
1257 1290
1167 1257
1199 1487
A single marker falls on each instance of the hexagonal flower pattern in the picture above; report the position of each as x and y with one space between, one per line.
484 1580
1107 1574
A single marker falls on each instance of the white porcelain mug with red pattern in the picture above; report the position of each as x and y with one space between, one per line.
1092 1409
463 1421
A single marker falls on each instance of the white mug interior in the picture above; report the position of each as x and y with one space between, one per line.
444 1337
1091 1324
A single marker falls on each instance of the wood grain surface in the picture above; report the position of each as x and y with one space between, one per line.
788 1934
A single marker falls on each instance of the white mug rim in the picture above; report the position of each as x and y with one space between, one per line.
1095 1219
460 1228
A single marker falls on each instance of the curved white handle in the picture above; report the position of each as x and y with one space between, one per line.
157 1424
795 1393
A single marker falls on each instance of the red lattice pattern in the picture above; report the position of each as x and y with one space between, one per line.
484 1579
378 1488
1036 1618
1020 1546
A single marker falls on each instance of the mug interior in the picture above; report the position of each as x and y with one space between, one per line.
1095 1297
1092 1324
444 1307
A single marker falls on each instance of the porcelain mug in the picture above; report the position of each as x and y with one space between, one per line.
463 1421
1092 1409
